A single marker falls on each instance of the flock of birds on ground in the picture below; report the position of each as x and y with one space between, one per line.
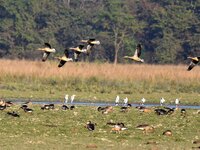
116 127
81 49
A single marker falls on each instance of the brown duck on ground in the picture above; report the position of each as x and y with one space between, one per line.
145 128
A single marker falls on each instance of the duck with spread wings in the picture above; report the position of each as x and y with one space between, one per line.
64 58
136 56
193 63
47 49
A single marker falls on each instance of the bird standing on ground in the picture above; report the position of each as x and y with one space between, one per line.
14 114
66 99
64 58
125 101
194 62
90 126
143 100
47 50
177 103
117 100
136 56
162 100
72 98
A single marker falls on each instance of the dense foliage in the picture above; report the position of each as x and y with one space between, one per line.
168 29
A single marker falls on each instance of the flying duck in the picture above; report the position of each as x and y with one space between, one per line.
47 50
91 43
64 58
136 56
194 62
77 51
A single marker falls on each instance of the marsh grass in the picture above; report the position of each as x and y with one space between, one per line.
23 78
57 129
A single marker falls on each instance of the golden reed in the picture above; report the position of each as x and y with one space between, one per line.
82 70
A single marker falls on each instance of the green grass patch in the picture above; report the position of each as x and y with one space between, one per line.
57 129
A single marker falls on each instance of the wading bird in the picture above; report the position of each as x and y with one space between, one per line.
177 103
194 62
136 56
64 58
66 99
72 98
143 100
47 50
117 100
125 101
162 100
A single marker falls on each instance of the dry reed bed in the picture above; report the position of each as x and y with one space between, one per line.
122 72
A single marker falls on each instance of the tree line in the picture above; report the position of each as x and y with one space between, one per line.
168 30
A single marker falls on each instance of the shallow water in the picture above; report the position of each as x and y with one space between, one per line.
97 104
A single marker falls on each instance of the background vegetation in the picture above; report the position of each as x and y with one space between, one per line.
168 30
98 82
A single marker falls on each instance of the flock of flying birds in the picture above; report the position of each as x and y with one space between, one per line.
47 50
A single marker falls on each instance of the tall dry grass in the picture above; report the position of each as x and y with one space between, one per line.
122 72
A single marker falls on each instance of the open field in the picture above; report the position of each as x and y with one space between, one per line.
98 82
58 129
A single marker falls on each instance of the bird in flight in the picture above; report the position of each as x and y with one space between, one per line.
193 63
47 50
78 50
64 58
90 44
136 56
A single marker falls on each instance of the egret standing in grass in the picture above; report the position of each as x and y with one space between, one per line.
66 99
125 101
177 103
117 100
162 100
143 100
72 98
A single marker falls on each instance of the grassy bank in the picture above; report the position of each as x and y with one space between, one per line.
57 129
90 82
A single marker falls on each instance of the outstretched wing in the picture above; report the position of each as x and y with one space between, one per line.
192 64
139 49
66 53
45 56
47 45
62 62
